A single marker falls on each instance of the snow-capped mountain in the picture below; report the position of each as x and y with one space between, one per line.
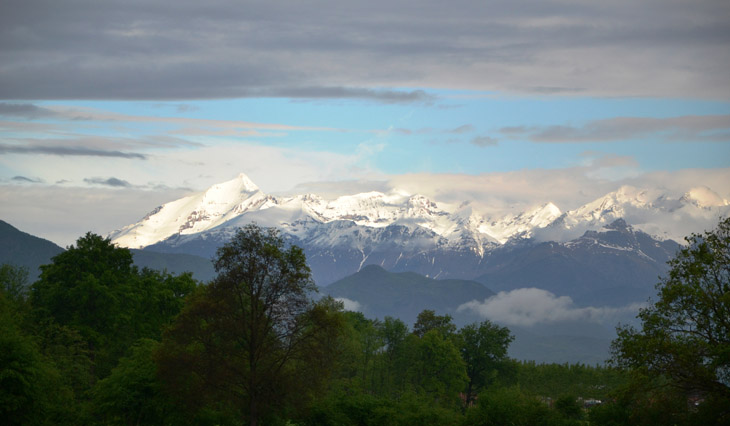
401 231
193 214
239 201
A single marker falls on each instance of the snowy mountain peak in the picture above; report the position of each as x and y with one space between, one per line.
241 183
377 217
609 207
704 197
193 214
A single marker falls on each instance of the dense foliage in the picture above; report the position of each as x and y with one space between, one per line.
682 351
97 341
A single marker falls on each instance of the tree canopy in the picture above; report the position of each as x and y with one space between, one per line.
684 340
241 340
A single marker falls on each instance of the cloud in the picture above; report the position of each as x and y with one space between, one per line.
530 306
112 181
68 151
384 96
466 128
227 49
26 179
350 305
25 110
200 124
484 141
496 194
682 128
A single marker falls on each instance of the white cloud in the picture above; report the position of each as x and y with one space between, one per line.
530 306
350 305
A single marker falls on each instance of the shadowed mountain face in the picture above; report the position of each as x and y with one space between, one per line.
615 267
378 293
404 295
22 249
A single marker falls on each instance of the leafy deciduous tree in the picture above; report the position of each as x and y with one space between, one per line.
94 288
684 341
427 320
238 340
483 348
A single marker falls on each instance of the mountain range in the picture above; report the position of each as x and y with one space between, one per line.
405 232
559 279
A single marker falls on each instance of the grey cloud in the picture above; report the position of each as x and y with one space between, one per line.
68 151
112 181
26 179
148 50
179 108
541 90
683 128
601 160
385 96
466 128
484 141
24 110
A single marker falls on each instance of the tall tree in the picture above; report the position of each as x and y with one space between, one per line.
427 320
483 348
684 340
241 336
14 281
82 288
93 288
436 368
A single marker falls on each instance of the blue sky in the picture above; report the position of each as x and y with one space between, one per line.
108 111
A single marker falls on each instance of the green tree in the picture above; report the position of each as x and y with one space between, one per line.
436 368
132 393
427 320
684 340
81 288
569 407
483 348
14 281
509 406
94 288
31 391
393 333
238 341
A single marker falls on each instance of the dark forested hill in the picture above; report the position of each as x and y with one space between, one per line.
404 294
23 249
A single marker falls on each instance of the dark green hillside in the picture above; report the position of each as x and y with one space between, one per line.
176 263
22 249
403 295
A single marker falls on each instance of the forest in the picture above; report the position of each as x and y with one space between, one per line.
95 340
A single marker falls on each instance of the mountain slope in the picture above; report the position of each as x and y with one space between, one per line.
22 249
616 266
378 293
404 295
175 263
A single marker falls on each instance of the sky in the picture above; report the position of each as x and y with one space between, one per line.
109 109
